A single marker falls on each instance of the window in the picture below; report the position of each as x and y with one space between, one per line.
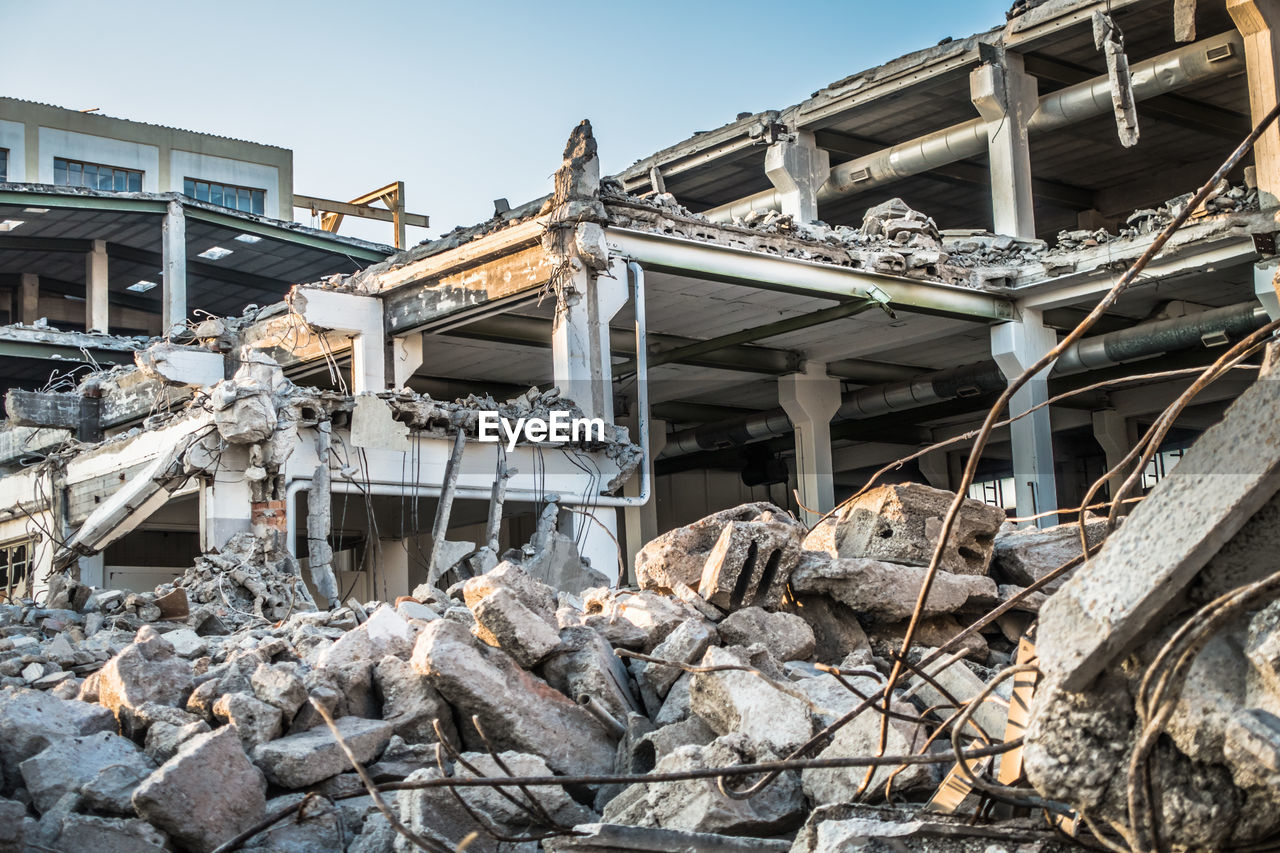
998 492
95 176
248 199
4 164
15 567
1160 466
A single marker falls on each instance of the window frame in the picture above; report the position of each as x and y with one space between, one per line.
82 164
4 172
26 582
223 187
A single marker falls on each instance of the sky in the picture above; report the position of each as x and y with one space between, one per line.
464 102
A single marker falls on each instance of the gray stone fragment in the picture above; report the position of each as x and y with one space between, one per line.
900 524
410 704
255 721
109 835
517 710
698 806
308 757
585 664
314 826
785 635
504 621
279 685
738 701
148 670
68 765
181 799
679 555
686 644
1025 555
602 837
836 630
888 591
750 563
31 720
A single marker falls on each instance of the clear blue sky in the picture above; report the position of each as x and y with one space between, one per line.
465 102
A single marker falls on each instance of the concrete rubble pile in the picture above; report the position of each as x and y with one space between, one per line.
128 722
162 721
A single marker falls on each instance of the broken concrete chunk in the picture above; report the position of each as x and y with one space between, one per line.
182 799
384 633
68 765
888 591
861 736
679 555
1221 482
531 592
836 630
900 524
634 620
686 644
148 670
30 721
750 563
109 835
303 759
1025 555
279 685
517 710
255 721
586 665
410 704
739 701
785 635
504 621
698 806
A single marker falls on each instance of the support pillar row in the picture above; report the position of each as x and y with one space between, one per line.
1015 346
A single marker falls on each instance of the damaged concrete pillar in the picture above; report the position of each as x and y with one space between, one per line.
360 317
797 169
29 299
641 522
406 358
224 500
1112 433
174 246
391 574
1256 20
1005 96
580 351
811 399
1015 346
96 288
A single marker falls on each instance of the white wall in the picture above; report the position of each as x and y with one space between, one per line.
205 167
98 149
14 137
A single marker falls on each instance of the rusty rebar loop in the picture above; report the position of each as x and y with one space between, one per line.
948 695
486 825
1044 361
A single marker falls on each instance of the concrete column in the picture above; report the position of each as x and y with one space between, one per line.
95 288
174 241
1256 19
935 469
580 353
1016 346
581 361
406 358
1006 98
1112 434
798 168
29 299
810 400
641 522
391 576
224 500
1266 286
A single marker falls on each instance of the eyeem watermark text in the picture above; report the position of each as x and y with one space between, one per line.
561 427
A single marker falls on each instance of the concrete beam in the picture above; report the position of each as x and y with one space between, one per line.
797 168
359 317
29 299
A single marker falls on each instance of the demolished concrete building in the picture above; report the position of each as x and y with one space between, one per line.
283 543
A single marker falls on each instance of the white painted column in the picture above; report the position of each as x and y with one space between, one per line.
29 299
1256 20
1006 98
1016 346
96 288
174 245
936 469
582 365
225 500
797 169
641 522
1266 286
391 578
811 399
